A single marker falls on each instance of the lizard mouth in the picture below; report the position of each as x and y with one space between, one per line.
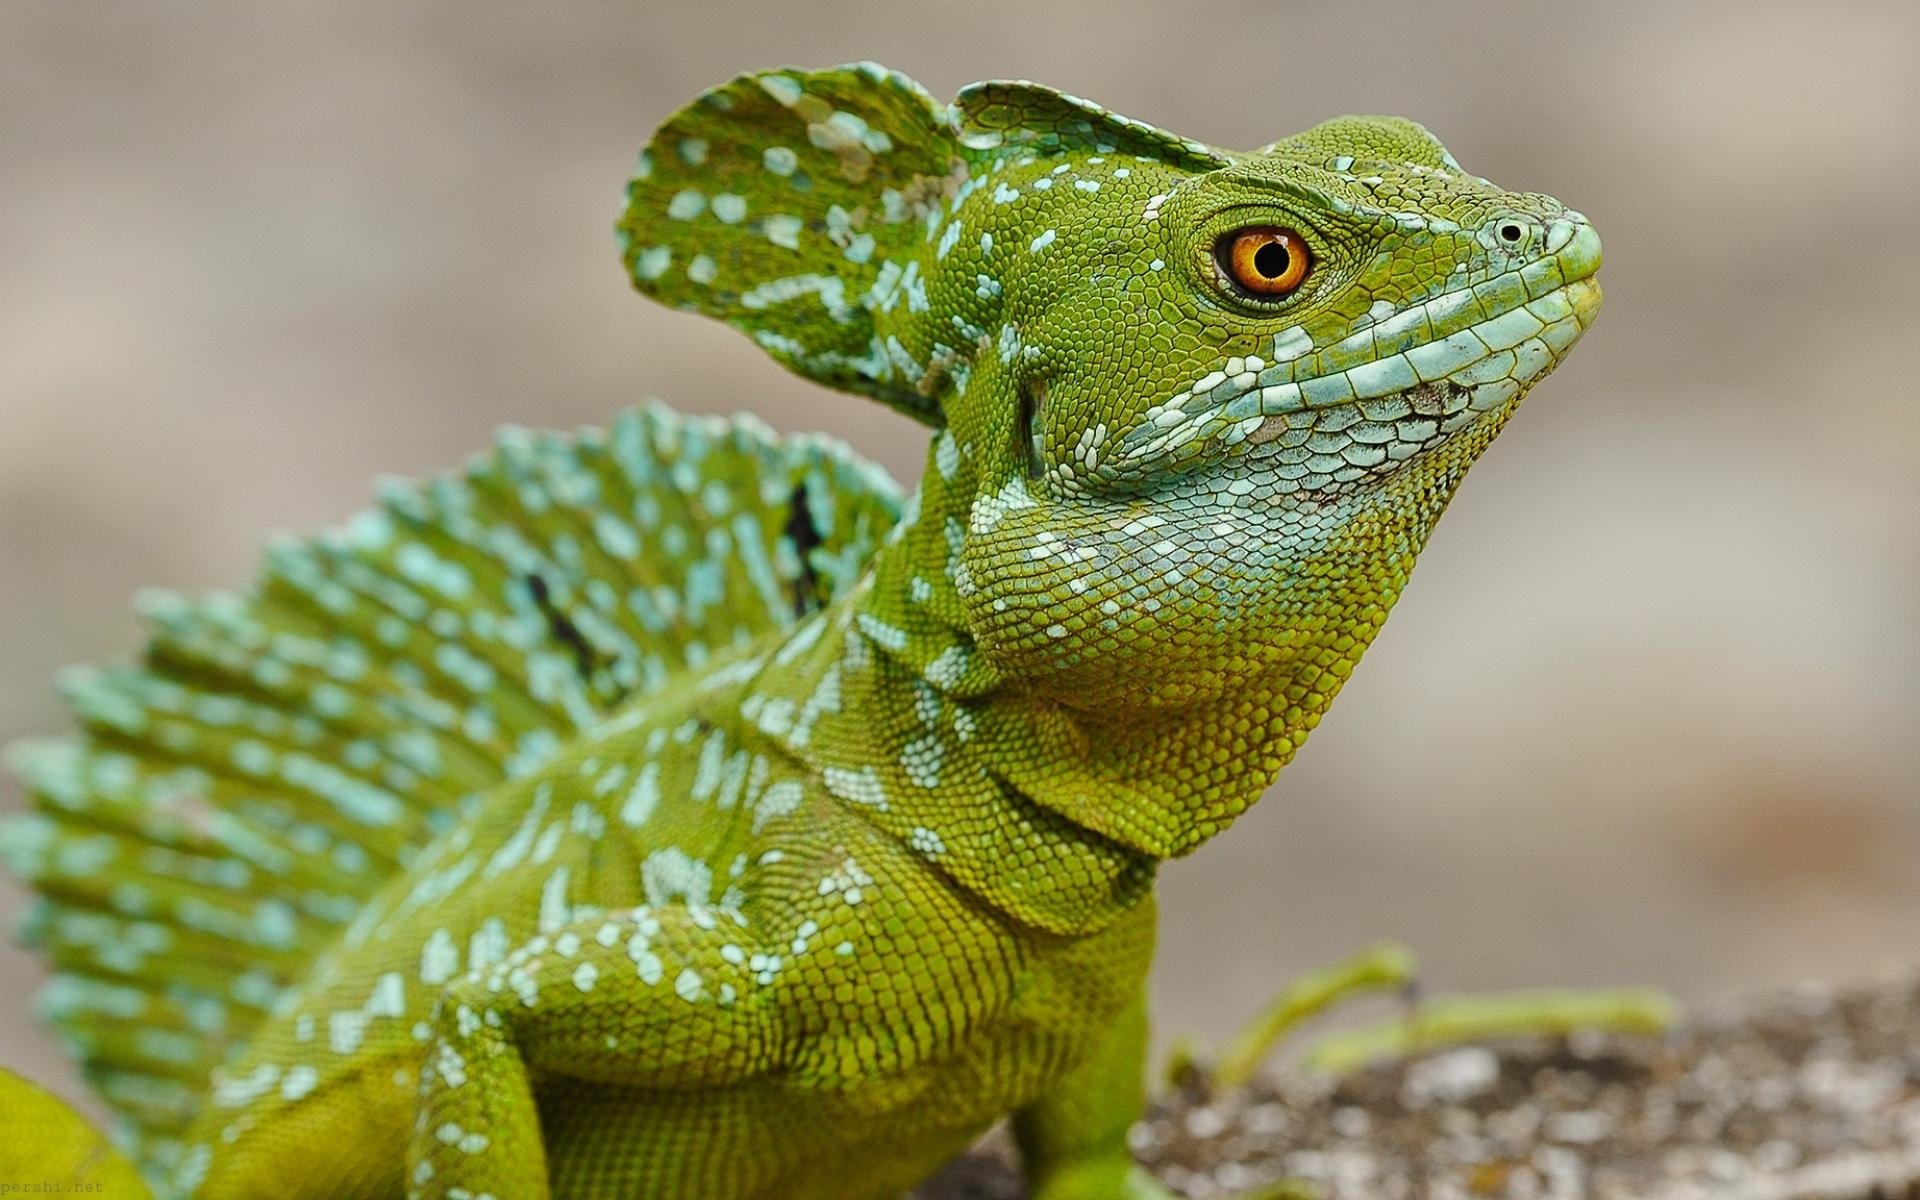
1537 312
1317 447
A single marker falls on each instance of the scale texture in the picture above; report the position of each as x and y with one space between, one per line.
680 811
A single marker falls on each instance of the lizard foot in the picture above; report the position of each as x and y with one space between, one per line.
1436 1022
1429 1023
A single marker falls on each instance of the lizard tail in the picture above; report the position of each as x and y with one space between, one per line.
227 805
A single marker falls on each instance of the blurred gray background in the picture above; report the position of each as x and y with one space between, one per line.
1650 711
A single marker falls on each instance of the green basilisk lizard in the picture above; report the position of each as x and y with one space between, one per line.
680 811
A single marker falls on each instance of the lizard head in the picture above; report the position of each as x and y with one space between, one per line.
1239 392
1197 409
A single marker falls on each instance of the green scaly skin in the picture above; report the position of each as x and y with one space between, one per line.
802 913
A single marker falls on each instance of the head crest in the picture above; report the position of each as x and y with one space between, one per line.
803 208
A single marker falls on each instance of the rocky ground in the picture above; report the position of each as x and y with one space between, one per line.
1812 1094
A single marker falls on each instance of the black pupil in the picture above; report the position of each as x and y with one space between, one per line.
1271 260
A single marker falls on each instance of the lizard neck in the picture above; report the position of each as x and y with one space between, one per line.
886 701
1154 780
1057 813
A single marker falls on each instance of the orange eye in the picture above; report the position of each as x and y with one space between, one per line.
1265 261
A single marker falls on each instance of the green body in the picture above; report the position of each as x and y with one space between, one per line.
678 812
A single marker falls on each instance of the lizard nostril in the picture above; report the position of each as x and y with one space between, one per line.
1512 233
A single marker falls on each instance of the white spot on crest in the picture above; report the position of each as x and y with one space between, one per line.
784 230
440 959
555 911
782 88
644 796
389 997
671 874
488 945
946 454
346 1030
299 1082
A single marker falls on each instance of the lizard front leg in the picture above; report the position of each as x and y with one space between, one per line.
1074 1138
644 998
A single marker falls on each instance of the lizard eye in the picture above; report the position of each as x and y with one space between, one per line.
1264 260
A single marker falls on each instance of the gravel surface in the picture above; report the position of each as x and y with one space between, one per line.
1812 1094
